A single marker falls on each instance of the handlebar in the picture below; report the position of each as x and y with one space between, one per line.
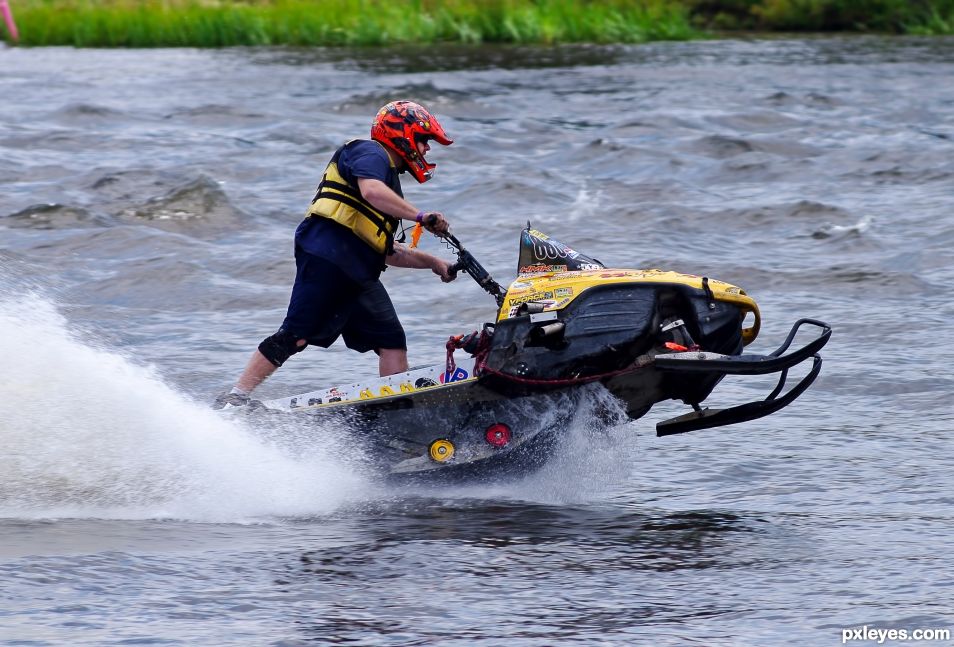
468 264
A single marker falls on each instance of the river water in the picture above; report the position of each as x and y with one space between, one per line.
147 204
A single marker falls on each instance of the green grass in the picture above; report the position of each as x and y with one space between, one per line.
224 23
197 23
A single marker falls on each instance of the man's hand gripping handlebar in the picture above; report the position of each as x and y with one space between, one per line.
435 223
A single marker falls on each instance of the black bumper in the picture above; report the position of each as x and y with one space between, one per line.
776 362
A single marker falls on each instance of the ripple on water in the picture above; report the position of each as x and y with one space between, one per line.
214 114
53 216
810 100
85 114
199 208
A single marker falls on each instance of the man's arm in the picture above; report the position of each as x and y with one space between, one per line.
404 256
387 201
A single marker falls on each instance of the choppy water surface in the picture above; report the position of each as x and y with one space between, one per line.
147 203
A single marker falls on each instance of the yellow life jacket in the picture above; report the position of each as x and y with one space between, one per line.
343 203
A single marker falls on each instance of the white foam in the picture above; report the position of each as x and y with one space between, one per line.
85 432
596 453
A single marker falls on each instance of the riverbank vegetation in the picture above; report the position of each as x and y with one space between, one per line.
920 17
220 23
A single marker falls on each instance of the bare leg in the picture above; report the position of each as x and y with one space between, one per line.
257 370
391 361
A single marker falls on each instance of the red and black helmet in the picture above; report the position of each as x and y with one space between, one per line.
400 125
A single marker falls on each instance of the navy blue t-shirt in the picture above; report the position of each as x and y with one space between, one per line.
325 238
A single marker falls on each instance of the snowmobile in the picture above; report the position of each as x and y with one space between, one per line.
565 323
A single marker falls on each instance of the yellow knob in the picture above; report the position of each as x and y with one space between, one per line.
441 450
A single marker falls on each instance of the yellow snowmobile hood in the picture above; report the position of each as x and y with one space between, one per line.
556 290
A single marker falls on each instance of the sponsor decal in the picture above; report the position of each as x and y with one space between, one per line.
537 249
335 392
563 292
407 387
366 394
386 391
533 296
590 266
546 303
458 375
424 382
544 250
295 404
540 267
520 285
